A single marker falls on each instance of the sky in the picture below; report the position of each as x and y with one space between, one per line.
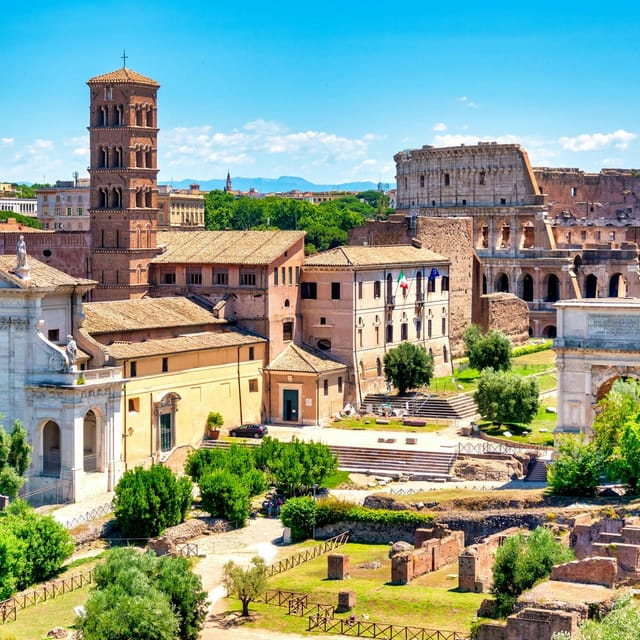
328 91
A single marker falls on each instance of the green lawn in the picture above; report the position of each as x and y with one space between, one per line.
540 431
430 601
395 424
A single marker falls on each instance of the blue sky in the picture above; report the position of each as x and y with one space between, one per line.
328 91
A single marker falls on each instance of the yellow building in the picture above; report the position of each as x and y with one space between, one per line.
178 363
180 209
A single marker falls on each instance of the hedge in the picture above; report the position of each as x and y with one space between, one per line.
333 511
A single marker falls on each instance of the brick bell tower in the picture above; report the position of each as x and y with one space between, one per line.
123 140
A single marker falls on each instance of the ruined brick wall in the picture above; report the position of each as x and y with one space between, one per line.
589 571
591 195
585 533
475 563
432 554
506 312
449 237
540 624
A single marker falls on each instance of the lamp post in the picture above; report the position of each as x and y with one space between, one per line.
315 487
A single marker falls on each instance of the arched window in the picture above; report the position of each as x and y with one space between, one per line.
591 286
51 454
287 303
502 283
419 292
617 287
553 288
445 354
389 289
148 199
378 367
90 442
527 288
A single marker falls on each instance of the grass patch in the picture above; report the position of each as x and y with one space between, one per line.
540 431
337 479
444 500
430 601
395 424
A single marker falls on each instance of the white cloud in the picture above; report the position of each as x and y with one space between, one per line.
260 139
7 141
439 126
594 141
467 103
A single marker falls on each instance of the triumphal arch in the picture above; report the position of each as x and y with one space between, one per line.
598 342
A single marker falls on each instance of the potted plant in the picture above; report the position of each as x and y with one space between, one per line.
214 422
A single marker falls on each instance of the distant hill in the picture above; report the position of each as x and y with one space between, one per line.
275 185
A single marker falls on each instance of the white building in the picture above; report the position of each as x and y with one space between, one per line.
23 206
71 416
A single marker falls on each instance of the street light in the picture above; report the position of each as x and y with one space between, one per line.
315 487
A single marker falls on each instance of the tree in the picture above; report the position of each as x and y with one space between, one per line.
507 398
297 466
33 547
15 458
576 467
489 351
246 584
147 501
299 514
621 403
408 366
521 561
140 596
624 463
224 495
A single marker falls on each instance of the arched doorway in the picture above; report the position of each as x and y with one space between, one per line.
165 411
527 288
591 286
51 454
553 288
617 286
502 283
90 442
549 331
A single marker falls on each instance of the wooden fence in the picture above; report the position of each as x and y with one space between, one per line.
351 626
307 554
9 608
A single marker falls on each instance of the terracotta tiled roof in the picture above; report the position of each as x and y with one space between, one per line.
122 75
373 256
181 344
225 247
40 274
147 313
304 359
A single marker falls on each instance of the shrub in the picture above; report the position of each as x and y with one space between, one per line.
224 495
526 349
576 467
334 511
147 501
520 562
299 514
33 547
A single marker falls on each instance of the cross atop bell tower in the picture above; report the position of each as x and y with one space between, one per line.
123 140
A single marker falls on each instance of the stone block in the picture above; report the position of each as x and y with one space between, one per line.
346 601
338 566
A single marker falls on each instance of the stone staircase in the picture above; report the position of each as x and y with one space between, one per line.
538 472
420 465
424 406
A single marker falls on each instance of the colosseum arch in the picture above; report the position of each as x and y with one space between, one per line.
598 342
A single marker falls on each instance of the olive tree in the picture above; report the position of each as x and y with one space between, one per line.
408 366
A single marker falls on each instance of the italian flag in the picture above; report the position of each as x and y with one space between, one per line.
402 281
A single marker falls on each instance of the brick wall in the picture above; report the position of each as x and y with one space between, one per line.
589 571
506 312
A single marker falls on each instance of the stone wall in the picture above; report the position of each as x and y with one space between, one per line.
590 571
506 312
475 563
530 624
